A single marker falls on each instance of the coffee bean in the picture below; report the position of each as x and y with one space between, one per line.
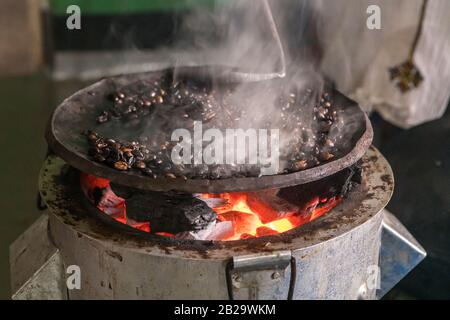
140 165
326 156
110 142
121 165
103 117
300 165
100 144
159 99
92 136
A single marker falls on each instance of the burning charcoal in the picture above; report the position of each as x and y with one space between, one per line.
214 203
242 222
338 184
269 206
265 231
221 231
122 191
216 231
99 193
169 212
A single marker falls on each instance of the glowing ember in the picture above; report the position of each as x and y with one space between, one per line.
247 223
234 208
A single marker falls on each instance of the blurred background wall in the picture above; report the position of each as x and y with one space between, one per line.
20 36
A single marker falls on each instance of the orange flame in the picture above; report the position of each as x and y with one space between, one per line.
246 222
239 212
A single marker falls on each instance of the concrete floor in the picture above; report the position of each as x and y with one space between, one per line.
25 105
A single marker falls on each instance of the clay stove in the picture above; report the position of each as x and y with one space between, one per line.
344 247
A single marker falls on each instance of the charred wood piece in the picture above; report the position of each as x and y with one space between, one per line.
170 212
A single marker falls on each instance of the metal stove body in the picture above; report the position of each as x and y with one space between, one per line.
356 251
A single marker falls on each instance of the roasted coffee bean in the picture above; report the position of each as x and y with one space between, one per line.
325 156
106 152
329 142
116 146
322 113
159 99
170 175
126 149
110 142
100 144
140 165
103 117
121 165
299 165
309 119
129 158
92 136
115 155
138 155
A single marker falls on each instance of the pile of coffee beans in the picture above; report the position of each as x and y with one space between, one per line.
118 155
138 100
311 143
310 126
133 102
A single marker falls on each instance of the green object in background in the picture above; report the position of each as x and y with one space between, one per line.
105 7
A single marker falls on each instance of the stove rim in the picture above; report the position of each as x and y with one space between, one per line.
364 203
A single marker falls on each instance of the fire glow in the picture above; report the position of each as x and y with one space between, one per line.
237 209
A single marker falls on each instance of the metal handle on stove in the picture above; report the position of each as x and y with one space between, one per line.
253 271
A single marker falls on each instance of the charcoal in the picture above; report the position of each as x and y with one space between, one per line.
269 206
242 222
171 212
265 231
214 203
216 231
336 185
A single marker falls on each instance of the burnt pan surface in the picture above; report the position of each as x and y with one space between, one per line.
79 113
